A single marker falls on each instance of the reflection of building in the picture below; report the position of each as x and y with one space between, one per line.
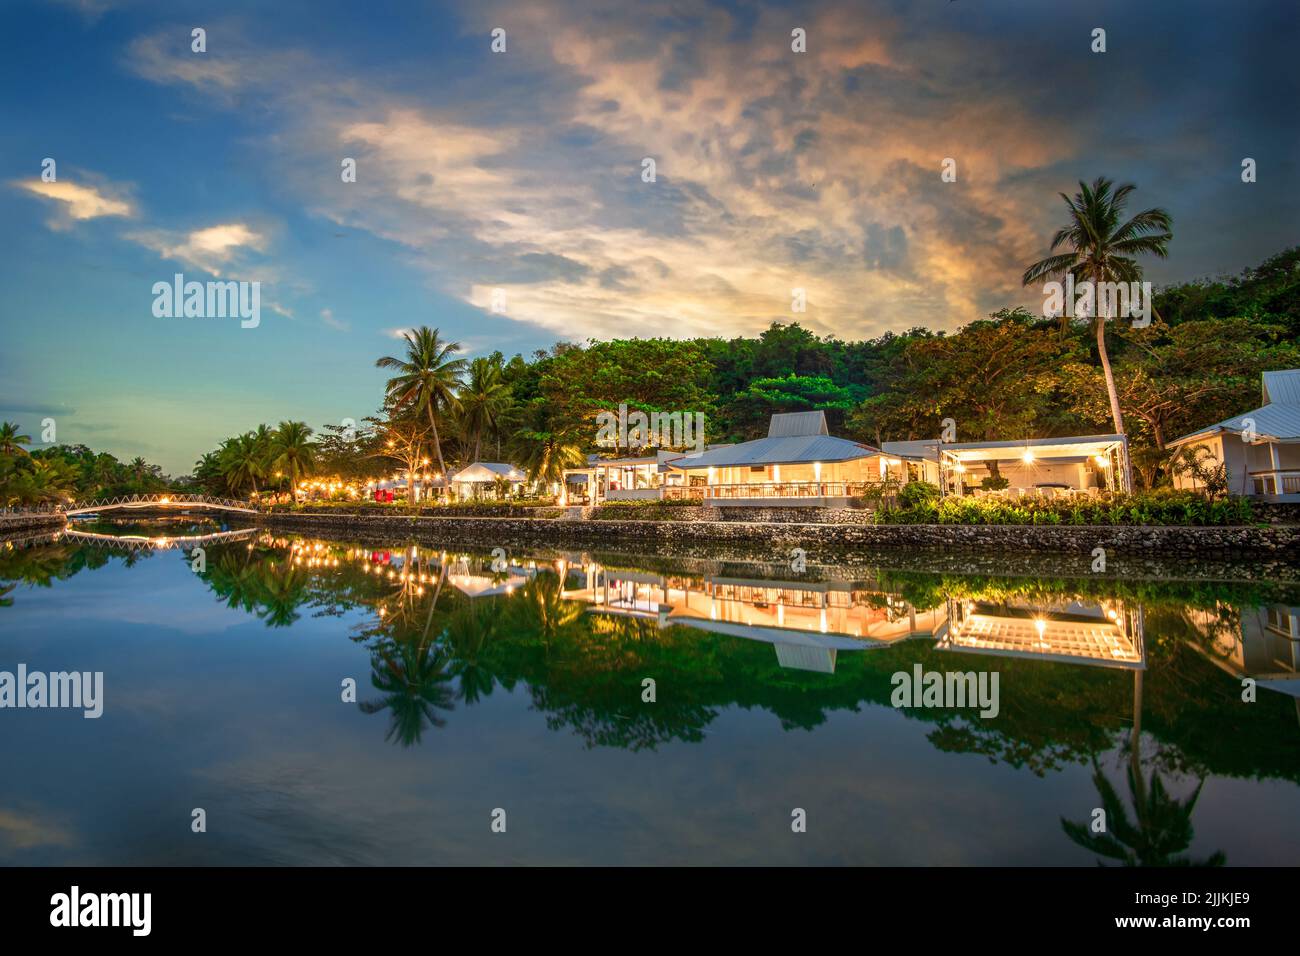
807 622
1263 643
464 579
1106 633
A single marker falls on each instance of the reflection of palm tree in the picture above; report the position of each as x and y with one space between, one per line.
412 676
469 630
1162 829
538 609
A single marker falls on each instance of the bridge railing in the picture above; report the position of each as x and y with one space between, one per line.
126 500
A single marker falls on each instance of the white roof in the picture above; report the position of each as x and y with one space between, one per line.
927 448
1278 418
482 471
1074 446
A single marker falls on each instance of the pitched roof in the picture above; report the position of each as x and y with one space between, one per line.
488 471
777 451
1282 387
927 448
797 424
1279 418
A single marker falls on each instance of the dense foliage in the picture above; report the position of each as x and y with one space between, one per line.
1160 507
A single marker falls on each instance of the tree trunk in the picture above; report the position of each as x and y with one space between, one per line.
1111 393
437 445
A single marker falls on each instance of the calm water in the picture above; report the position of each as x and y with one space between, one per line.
521 688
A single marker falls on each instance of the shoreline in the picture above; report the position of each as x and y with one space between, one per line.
1144 550
1279 543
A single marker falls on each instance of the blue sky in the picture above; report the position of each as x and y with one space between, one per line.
522 172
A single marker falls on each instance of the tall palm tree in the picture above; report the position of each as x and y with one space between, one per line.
11 442
484 398
426 378
243 462
1102 250
292 450
544 446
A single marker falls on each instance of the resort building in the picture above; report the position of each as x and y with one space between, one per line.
1081 465
483 478
639 478
799 463
1259 449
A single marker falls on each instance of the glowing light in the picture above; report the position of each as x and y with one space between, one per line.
1027 457
1102 460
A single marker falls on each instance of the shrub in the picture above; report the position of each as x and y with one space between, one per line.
917 492
1161 507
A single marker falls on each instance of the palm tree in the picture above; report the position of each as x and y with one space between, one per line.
292 450
426 378
484 398
544 447
11 442
243 462
1102 250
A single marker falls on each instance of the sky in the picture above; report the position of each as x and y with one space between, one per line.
523 171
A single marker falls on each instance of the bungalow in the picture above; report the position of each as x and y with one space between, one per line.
1259 449
1034 467
643 477
479 480
799 464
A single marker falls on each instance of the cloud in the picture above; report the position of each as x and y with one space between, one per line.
775 170
20 831
212 248
327 317
78 201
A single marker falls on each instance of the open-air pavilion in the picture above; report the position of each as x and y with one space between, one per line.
1068 467
482 478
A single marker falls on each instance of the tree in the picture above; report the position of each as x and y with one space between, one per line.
484 400
545 446
996 378
11 442
426 379
243 461
1102 250
292 450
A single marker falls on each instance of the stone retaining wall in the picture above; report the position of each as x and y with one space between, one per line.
1281 542
798 515
31 522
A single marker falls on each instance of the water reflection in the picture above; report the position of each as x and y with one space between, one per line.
1134 678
